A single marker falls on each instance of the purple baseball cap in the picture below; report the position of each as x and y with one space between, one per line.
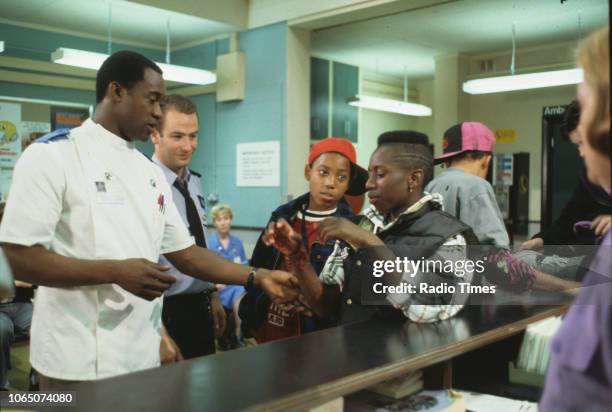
466 136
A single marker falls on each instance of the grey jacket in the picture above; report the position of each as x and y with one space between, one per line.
471 199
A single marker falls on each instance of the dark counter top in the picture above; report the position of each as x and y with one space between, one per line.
305 371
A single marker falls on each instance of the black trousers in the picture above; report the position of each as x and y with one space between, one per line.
189 322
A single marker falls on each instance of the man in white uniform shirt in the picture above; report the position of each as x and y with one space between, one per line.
88 218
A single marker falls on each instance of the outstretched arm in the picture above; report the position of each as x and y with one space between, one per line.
203 264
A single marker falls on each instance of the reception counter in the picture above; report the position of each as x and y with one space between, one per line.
302 372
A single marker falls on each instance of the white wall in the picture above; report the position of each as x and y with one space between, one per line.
298 109
372 123
520 110
425 90
263 12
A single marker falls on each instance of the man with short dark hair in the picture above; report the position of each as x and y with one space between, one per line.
192 312
467 152
88 218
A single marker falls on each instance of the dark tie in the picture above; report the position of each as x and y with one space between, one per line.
193 217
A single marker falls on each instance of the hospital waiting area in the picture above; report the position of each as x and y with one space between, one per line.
299 205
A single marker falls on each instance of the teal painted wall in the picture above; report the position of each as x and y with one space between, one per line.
261 116
39 44
48 93
203 56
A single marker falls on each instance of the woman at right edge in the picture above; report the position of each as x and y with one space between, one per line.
580 373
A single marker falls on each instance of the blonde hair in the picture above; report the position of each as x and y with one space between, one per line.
222 208
594 58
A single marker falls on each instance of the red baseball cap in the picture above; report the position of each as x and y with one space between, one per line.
359 175
466 136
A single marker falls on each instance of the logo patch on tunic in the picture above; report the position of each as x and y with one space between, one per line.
161 203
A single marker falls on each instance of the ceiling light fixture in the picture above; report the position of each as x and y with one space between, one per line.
391 105
525 81
1 46
171 72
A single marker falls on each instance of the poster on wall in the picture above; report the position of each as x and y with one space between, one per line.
258 164
31 131
67 117
10 141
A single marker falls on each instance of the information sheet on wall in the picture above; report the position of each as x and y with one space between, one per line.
30 131
258 164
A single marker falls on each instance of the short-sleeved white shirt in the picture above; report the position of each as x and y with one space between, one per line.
92 195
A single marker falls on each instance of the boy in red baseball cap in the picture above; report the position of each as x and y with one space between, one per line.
332 171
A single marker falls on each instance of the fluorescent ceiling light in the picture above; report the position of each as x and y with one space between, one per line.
186 74
91 60
1 46
389 105
523 81
78 58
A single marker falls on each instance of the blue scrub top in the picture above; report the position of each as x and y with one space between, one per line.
234 253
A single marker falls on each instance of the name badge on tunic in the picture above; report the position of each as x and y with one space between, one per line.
107 191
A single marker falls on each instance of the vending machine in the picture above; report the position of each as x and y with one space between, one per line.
509 176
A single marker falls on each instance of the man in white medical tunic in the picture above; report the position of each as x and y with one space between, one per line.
87 218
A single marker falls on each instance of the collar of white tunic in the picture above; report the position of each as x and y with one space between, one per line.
107 137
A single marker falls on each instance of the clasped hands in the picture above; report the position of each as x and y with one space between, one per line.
289 243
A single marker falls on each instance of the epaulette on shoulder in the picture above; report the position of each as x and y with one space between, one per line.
193 172
149 158
54 136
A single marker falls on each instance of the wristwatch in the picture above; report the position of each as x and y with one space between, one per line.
250 283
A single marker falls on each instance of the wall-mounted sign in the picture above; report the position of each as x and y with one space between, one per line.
67 117
554 111
10 139
505 135
258 164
